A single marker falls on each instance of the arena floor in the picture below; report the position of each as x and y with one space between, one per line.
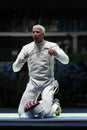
68 117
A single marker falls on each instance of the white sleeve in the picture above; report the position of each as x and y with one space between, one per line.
19 62
61 55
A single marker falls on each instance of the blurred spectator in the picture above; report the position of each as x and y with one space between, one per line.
84 50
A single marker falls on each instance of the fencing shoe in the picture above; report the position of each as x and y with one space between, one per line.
58 108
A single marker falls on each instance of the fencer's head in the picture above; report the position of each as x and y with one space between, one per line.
42 28
38 32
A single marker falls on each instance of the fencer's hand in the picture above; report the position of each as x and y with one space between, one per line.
51 51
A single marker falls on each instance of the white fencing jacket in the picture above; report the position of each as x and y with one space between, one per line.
40 62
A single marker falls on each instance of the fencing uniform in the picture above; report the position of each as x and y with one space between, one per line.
41 73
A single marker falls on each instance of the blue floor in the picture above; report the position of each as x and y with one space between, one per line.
68 117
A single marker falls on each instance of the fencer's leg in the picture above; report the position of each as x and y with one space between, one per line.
48 99
37 111
28 95
26 115
43 109
55 109
34 109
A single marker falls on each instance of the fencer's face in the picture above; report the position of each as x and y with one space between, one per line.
37 35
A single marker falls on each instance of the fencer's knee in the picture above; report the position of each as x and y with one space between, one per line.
33 109
26 115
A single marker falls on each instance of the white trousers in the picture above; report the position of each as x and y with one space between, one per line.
47 97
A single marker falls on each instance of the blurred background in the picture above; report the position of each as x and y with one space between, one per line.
66 24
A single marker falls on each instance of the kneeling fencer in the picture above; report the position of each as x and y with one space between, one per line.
39 55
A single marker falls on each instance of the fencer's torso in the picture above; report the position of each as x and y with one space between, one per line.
40 62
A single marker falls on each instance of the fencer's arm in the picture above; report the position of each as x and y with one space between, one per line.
59 54
62 56
19 62
17 65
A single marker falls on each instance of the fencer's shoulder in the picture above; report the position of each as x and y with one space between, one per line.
50 44
29 45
